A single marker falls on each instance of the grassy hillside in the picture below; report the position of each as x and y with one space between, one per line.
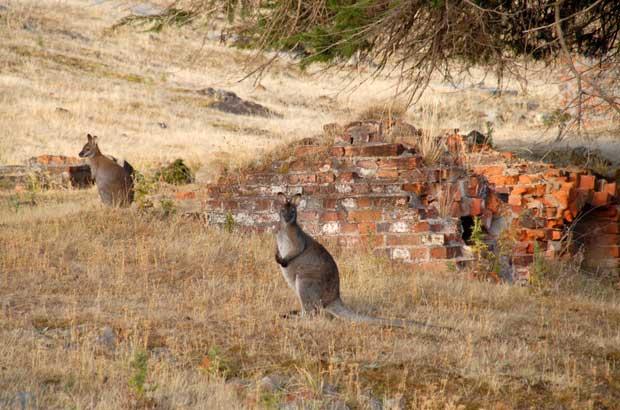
112 309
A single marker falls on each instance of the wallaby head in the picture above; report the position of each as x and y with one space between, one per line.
90 149
288 208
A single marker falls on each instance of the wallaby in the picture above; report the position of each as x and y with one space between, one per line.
311 271
114 181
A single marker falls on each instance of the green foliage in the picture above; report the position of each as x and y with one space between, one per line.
157 22
229 222
143 187
540 269
139 368
176 173
486 262
218 366
167 206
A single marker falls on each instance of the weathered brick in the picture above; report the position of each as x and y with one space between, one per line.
403 239
336 151
330 228
417 188
421 227
308 215
387 173
329 216
306 150
587 181
381 150
364 216
515 200
325 177
301 179
367 228
445 252
600 198
476 206
489 170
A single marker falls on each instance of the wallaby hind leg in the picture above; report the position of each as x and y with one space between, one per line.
106 197
309 294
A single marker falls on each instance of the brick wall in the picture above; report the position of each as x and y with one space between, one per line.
365 191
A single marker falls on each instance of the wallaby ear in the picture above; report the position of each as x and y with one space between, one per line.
296 199
281 198
90 137
94 139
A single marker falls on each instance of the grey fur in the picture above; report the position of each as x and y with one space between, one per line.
312 273
114 181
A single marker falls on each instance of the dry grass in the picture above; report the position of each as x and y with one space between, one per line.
178 290
205 304
120 85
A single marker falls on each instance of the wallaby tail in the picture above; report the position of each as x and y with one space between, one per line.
339 310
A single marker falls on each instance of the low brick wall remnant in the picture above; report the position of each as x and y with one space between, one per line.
364 189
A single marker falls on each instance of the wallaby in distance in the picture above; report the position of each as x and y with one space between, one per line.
114 181
311 271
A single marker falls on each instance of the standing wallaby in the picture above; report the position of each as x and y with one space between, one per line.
114 181
311 271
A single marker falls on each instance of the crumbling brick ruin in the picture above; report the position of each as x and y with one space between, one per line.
46 171
367 189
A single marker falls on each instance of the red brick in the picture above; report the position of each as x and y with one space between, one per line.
184 195
325 177
421 253
515 200
330 216
507 155
587 181
330 203
345 177
308 215
372 240
263 204
600 198
528 179
567 215
611 189
305 150
364 202
394 201
417 188
489 170
399 163
519 190
364 216
387 173
367 164
366 228
522 259
360 188
301 179
382 150
476 206
336 151
444 252
421 227
348 228
404 239
562 198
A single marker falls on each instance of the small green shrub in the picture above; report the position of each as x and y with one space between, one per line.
177 173
229 222
139 367
143 187
167 206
